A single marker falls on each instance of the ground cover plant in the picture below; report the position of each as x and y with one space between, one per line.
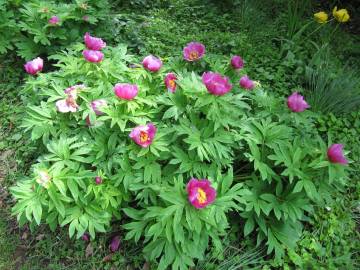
182 153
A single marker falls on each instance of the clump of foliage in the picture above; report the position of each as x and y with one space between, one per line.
29 26
266 163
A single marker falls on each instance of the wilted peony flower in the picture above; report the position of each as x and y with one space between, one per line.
237 62
34 66
336 155
152 63
246 83
193 51
115 244
54 20
216 84
341 15
94 43
43 178
200 192
98 180
143 135
97 104
126 91
296 102
67 105
321 17
93 56
74 90
170 83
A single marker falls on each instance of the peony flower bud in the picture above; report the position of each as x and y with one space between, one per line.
94 43
98 180
336 155
54 20
246 83
115 244
296 103
152 63
237 62
34 66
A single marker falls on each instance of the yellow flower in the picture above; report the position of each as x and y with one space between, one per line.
321 17
341 15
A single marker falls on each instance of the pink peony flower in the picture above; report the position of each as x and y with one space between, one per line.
97 104
115 244
193 51
152 63
296 102
200 192
143 135
237 62
67 105
34 66
170 83
126 91
93 56
216 84
54 20
246 83
94 43
336 155
98 180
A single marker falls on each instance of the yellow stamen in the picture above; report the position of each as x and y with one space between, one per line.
143 136
201 196
172 83
193 55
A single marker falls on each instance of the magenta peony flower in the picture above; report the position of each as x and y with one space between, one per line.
193 51
237 62
246 83
93 56
216 84
115 244
170 83
336 155
152 63
200 192
54 20
94 43
34 66
143 135
296 102
126 91
67 105
97 104
98 180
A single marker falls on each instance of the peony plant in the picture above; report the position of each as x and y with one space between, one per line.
173 153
